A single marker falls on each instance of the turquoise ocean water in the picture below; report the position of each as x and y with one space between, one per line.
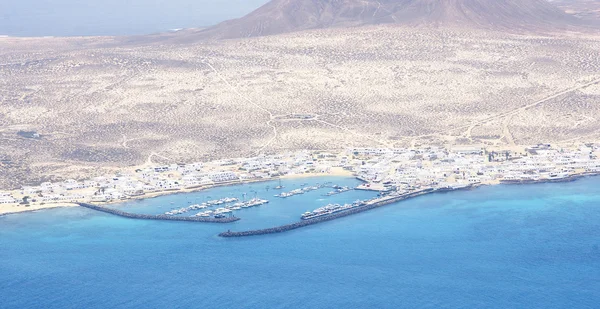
523 246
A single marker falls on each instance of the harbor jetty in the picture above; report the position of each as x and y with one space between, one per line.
371 205
156 217
546 180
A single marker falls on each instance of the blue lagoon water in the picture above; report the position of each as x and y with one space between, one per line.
529 246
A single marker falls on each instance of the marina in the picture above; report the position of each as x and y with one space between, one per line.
230 204
254 211
157 217
493 223
333 206
330 209
332 212
290 154
304 189
382 170
338 190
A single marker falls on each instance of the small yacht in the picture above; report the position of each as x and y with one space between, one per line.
279 187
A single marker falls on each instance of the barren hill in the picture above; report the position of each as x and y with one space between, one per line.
97 108
281 16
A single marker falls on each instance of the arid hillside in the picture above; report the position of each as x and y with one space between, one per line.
76 107
282 16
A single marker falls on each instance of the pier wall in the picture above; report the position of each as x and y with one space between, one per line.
356 210
288 227
533 181
156 217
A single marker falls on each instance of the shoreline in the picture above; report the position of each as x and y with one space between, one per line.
152 195
393 200
34 208
334 216
130 215
6 210
149 195
6 214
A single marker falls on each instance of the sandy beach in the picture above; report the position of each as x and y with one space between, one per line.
8 209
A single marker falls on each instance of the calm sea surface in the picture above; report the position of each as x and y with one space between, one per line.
530 246
115 17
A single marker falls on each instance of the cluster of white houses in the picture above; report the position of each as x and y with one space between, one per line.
396 168
437 166
6 198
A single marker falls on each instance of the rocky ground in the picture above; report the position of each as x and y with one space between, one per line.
75 107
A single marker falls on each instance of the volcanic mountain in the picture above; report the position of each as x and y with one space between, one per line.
282 16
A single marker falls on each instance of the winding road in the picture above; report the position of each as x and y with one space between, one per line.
509 114
273 117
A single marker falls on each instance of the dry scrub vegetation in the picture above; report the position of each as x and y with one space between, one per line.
101 105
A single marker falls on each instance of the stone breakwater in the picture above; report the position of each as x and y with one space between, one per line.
533 181
288 227
383 202
156 217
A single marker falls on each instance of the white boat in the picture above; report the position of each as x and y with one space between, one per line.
279 187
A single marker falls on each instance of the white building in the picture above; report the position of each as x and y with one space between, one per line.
223 176
7 199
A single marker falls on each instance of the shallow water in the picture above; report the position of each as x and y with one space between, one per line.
522 246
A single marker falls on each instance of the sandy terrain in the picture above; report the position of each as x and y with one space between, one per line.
76 108
13 209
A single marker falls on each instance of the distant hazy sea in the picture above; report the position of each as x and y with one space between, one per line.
114 17
522 246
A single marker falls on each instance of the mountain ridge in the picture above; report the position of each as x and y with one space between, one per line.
284 16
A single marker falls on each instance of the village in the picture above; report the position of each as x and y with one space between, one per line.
386 170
